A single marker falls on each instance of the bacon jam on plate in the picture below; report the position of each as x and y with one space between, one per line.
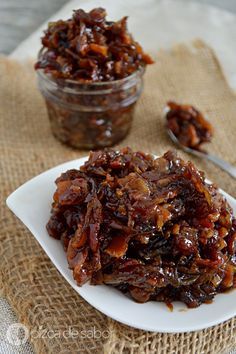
188 125
151 227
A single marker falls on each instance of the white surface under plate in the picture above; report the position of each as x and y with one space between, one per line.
32 203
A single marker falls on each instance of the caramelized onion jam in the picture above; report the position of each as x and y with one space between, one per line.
90 72
188 125
151 227
88 48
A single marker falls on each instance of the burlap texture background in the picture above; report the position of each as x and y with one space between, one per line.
39 295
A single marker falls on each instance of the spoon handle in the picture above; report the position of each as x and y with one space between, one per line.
231 170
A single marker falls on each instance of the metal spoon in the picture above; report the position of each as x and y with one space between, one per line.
231 170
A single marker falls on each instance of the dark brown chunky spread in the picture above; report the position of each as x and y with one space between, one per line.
89 48
188 125
151 227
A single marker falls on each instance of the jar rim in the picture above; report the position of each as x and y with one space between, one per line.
49 78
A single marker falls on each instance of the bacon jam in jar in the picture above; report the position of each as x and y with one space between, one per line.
90 72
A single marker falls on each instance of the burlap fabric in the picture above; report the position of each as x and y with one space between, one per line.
40 296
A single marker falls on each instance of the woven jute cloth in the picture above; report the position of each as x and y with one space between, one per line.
41 298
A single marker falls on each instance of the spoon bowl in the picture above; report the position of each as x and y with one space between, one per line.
224 165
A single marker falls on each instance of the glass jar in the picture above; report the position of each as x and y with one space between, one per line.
90 115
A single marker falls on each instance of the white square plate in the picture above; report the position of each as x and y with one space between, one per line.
31 203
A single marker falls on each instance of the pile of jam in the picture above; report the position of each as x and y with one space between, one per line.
150 227
89 48
188 125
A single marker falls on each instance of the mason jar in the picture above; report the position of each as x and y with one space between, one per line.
90 115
